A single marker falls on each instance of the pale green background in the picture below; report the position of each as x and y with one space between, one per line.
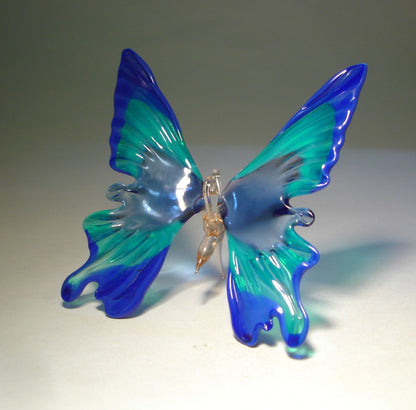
234 71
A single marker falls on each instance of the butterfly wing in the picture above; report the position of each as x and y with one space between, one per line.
267 256
129 244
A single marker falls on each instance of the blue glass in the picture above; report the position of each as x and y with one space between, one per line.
267 258
128 245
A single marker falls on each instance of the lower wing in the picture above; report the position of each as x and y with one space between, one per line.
263 284
124 262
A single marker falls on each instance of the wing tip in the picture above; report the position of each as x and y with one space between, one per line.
120 288
132 63
291 339
68 292
359 71
247 331
348 80
73 286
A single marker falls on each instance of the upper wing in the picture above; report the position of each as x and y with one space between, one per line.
129 244
267 257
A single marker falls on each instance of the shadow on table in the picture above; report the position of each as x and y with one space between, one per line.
345 270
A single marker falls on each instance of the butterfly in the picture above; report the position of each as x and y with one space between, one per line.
267 258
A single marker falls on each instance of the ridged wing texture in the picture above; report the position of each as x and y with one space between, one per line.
267 257
143 120
263 284
316 132
129 244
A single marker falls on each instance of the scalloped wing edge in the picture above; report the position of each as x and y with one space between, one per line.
264 307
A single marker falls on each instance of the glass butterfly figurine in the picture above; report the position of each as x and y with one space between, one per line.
267 258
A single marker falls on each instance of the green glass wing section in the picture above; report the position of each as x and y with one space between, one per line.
146 130
143 120
310 139
112 245
119 244
264 283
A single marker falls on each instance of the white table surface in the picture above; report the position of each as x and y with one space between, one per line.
179 352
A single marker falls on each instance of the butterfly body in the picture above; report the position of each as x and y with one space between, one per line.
213 224
267 258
